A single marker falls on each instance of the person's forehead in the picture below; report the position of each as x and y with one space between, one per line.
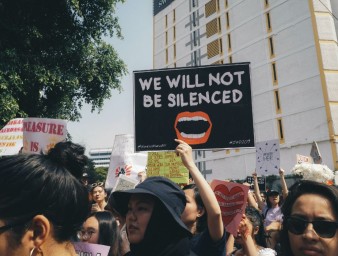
99 189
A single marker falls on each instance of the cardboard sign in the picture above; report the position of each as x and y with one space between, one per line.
232 198
88 249
125 183
208 107
260 181
267 157
123 160
32 135
41 134
315 154
11 136
303 159
169 165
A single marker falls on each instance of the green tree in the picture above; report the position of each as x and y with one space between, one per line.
101 173
53 57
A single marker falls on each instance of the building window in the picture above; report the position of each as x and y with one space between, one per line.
166 56
193 3
280 130
271 46
194 19
166 38
214 48
266 2
166 21
274 73
174 33
227 19
194 37
230 59
226 4
219 28
195 58
268 22
220 46
229 43
174 51
174 16
277 102
211 8
212 27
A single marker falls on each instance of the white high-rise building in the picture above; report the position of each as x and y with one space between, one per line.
293 51
100 156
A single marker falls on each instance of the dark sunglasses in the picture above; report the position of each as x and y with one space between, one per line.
323 228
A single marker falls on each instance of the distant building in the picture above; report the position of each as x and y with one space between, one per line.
293 53
100 156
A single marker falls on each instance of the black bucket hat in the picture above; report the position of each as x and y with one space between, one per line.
166 191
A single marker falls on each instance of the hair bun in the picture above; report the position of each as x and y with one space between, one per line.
71 156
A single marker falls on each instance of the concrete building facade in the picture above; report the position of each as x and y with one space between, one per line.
293 53
100 156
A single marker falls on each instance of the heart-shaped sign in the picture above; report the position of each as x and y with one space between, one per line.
232 200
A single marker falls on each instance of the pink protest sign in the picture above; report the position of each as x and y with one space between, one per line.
232 199
87 249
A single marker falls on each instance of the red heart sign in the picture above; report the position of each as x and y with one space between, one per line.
231 202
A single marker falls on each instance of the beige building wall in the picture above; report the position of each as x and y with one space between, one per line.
292 48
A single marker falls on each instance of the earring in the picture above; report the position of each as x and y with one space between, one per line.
36 251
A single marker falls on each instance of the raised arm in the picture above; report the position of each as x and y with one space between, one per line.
260 201
285 190
214 215
251 200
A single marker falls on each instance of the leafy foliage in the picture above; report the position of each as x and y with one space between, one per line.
53 58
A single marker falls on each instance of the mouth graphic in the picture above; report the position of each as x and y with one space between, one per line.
193 127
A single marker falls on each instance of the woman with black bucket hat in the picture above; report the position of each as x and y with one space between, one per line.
153 218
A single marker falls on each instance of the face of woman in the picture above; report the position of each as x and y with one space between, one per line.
90 231
140 209
99 194
190 213
274 199
312 207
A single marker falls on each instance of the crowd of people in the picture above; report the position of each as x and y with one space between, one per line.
45 206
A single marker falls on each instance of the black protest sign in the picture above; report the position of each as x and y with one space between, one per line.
260 181
208 107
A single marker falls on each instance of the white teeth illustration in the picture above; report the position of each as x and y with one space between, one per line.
192 136
194 118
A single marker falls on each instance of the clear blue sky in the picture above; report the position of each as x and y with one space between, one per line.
98 130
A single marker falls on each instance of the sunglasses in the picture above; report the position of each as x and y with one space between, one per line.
323 228
97 184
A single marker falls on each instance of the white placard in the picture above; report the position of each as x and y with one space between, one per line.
123 160
41 134
125 183
267 157
11 136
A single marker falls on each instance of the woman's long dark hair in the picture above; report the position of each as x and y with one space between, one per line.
202 223
45 184
295 191
109 232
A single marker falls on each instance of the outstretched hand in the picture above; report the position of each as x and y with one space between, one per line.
185 152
